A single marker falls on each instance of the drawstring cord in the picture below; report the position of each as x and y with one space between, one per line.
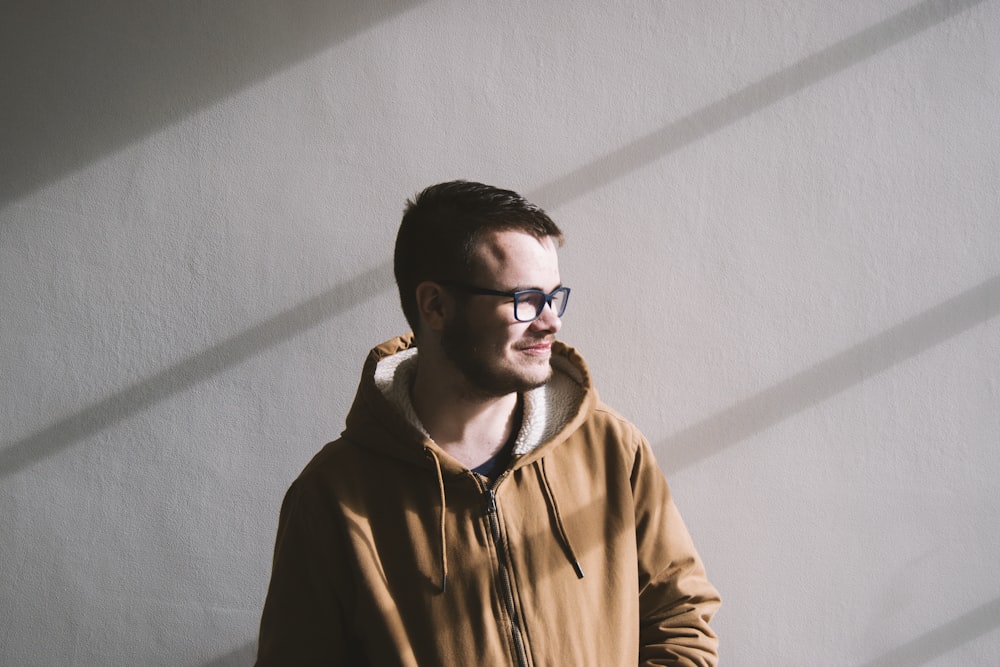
550 499
444 512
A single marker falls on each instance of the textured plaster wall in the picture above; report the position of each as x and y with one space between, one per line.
783 231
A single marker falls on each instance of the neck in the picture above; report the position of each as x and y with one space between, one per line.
469 428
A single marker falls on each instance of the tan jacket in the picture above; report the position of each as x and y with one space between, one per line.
390 552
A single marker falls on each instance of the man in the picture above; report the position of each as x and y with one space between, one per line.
482 506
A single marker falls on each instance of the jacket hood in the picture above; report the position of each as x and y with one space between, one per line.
382 416
361 565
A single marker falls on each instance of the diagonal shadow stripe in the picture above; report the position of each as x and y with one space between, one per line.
832 376
19 454
749 100
82 80
239 657
194 369
941 640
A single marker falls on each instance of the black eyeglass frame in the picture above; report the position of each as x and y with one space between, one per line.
517 296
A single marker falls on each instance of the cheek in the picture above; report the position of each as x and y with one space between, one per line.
494 341
492 330
511 335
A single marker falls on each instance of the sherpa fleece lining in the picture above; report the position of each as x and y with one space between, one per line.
546 408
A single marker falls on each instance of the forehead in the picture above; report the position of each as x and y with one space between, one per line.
514 259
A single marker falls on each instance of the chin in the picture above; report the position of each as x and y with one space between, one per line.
536 379
509 381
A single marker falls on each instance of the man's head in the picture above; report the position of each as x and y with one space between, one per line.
444 226
479 282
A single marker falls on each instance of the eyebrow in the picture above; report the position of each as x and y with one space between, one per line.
540 289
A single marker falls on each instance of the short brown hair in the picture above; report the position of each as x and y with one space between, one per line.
443 226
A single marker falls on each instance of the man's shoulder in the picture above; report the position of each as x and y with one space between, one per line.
339 471
333 459
611 427
605 413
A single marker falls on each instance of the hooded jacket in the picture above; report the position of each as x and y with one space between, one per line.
390 552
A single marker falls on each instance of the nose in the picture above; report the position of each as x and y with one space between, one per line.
547 320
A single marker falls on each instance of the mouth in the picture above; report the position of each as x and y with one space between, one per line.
539 348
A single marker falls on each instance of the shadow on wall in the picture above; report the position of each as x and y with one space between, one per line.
81 80
194 369
942 639
172 58
244 656
751 99
832 376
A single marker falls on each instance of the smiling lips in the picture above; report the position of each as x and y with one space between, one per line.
539 347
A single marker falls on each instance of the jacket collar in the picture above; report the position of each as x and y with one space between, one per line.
550 411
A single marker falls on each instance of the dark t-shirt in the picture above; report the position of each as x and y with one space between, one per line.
496 464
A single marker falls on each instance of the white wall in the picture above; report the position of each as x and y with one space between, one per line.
784 244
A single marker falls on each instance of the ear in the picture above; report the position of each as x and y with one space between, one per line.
433 304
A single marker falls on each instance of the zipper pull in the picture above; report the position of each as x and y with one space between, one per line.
491 502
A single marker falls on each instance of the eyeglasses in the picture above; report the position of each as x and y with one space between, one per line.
528 303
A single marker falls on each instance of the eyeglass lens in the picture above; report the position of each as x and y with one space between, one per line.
530 304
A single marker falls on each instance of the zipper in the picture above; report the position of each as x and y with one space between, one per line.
503 558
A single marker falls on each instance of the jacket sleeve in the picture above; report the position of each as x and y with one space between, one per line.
676 600
302 622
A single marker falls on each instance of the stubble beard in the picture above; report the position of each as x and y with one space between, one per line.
483 378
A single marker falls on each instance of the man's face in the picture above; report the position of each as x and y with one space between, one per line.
496 354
